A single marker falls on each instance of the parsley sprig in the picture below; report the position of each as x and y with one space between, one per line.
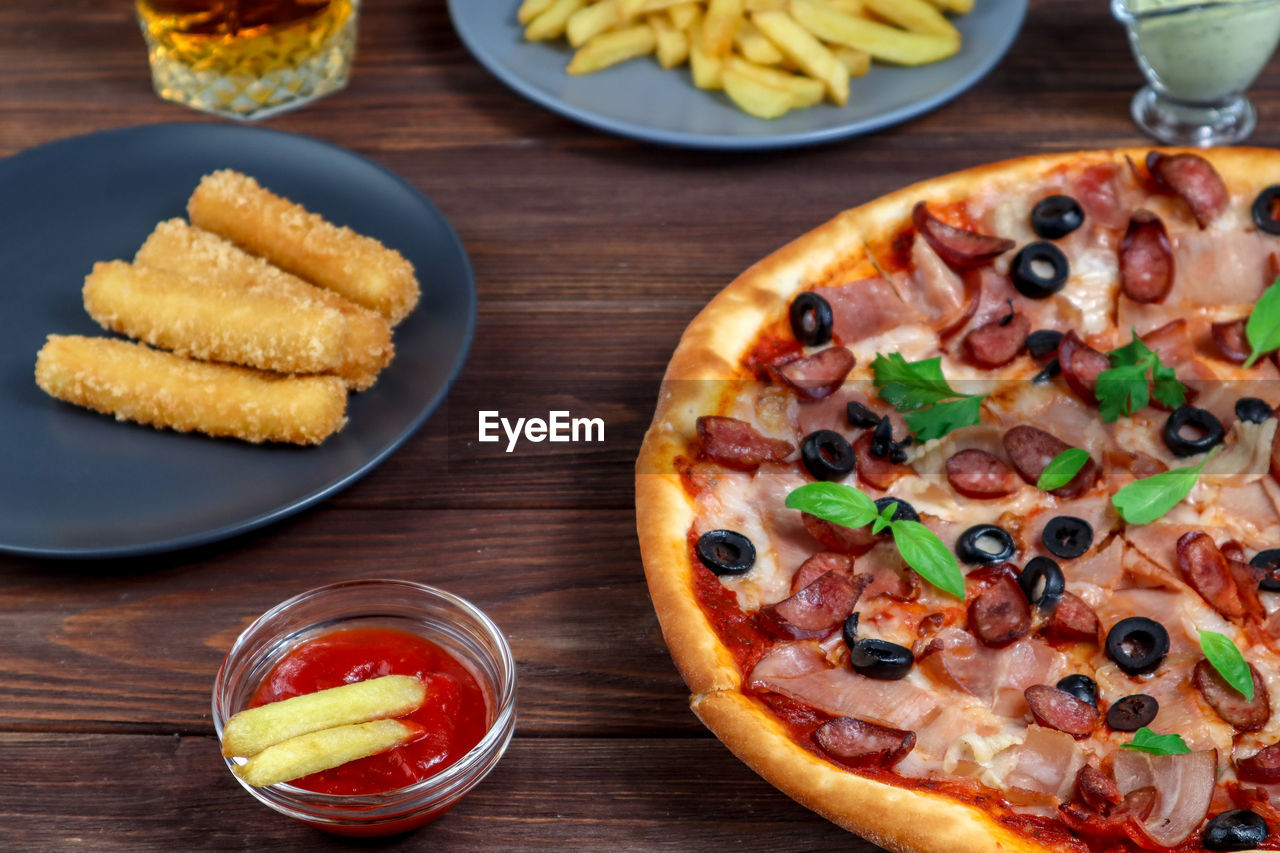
1143 501
920 548
1145 740
1263 329
1227 660
933 408
1123 389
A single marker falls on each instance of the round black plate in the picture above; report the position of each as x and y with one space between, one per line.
79 484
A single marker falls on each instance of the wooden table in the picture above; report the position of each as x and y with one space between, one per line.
591 254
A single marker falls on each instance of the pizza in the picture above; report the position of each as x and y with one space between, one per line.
961 513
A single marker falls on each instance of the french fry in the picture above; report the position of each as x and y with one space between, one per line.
672 45
321 750
849 7
531 9
613 47
256 729
765 5
858 62
590 21
752 44
916 16
652 6
630 9
752 96
705 67
882 42
685 15
960 7
550 23
803 91
810 55
721 22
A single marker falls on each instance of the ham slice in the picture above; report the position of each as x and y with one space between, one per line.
932 288
1220 267
867 308
1184 788
800 671
954 657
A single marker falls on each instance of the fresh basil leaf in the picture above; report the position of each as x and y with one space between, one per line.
885 518
1228 661
941 418
1062 469
1263 328
924 552
910 385
1145 740
1143 501
843 505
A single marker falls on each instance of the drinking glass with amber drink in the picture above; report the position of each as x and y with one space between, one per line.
248 59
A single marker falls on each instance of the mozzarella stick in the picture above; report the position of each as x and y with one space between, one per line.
137 383
262 223
253 730
322 750
210 319
175 245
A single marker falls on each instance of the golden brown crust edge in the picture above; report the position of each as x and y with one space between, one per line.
712 347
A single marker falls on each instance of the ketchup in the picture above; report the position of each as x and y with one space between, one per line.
454 717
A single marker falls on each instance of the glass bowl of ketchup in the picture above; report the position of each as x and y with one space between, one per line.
362 629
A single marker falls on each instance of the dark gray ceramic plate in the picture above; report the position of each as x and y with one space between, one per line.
74 483
640 100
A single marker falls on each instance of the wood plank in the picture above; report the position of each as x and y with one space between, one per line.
134 645
132 792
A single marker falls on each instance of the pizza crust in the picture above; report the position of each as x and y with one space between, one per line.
712 348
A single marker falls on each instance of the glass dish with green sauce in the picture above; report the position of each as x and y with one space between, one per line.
1199 59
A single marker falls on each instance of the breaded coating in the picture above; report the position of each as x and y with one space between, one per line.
209 319
137 383
175 245
360 268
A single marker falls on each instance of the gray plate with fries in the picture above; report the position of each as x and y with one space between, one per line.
80 484
639 99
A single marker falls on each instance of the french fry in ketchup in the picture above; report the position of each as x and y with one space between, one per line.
322 750
250 732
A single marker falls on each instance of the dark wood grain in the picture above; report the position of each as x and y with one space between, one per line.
591 255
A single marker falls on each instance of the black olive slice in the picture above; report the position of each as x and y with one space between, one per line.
1056 216
859 415
1043 342
811 319
1027 277
826 455
1237 829
1132 712
1264 210
1045 376
1270 561
1067 537
1043 583
904 512
985 543
1137 644
880 659
850 630
1202 421
1253 410
882 438
726 552
1082 687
